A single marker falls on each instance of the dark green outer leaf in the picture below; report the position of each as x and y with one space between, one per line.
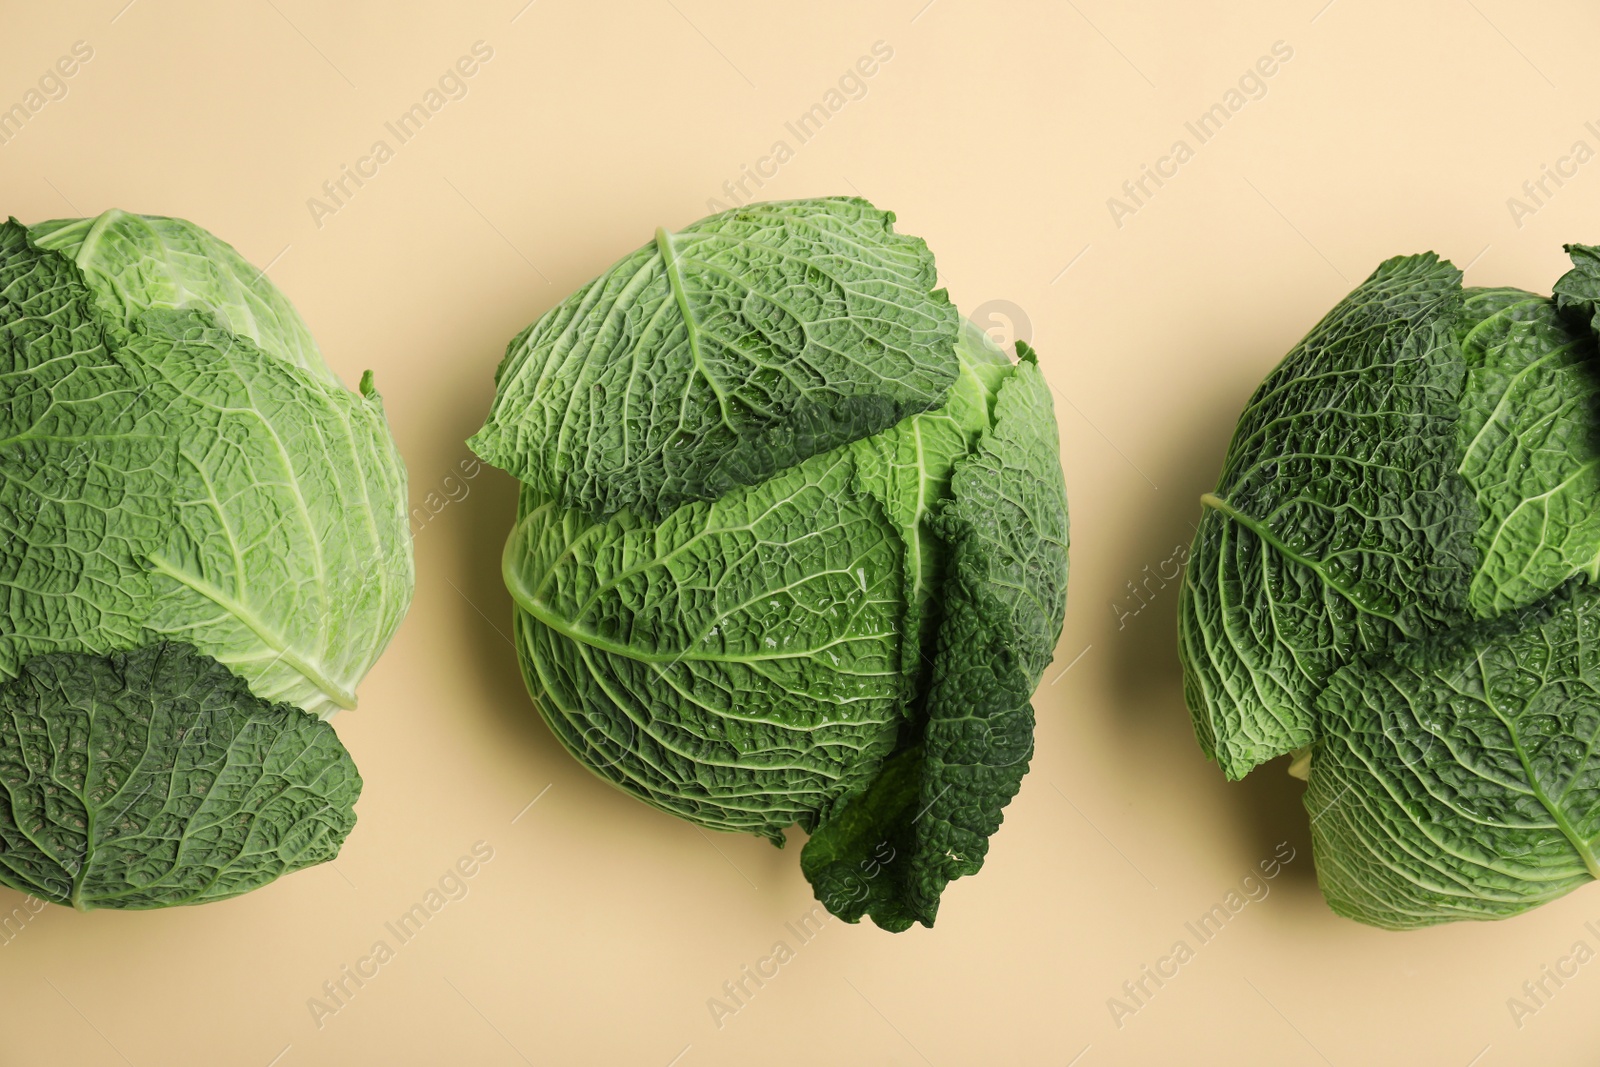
938 802
715 357
1459 780
1339 522
154 777
1577 292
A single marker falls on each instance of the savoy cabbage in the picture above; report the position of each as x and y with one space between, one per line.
203 549
1396 578
791 545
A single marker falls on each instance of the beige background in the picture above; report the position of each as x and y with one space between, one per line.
600 928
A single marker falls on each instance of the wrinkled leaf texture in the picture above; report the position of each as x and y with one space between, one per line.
1395 571
791 544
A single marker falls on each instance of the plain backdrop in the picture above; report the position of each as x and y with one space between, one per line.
1003 133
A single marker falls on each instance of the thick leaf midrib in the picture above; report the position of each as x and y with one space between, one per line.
312 672
566 628
1579 844
913 533
680 294
1260 529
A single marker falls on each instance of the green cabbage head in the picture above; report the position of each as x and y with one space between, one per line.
791 545
203 549
1396 578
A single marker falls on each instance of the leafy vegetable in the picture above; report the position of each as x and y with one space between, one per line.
154 777
1395 576
791 544
717 356
180 465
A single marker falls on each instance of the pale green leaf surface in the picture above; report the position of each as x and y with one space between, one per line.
139 263
908 468
717 356
172 480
